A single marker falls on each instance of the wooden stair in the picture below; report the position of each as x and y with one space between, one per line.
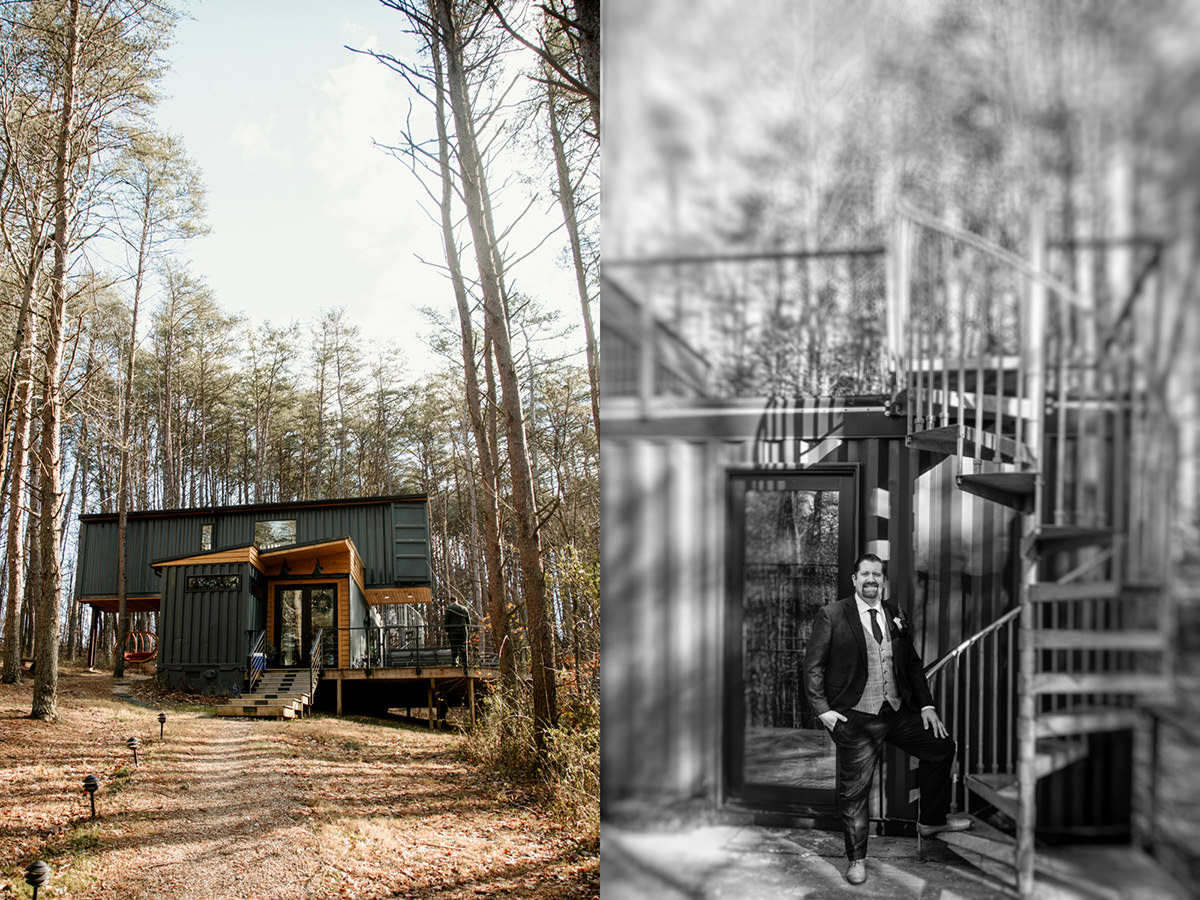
280 694
1067 873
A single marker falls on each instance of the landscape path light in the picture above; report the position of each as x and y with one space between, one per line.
133 743
90 784
162 721
36 875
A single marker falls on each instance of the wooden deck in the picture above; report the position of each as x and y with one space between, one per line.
413 687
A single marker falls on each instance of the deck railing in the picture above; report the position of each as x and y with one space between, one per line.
975 692
417 647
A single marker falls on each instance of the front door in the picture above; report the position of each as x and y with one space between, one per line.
791 542
303 610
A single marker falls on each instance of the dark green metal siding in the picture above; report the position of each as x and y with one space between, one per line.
410 541
392 537
203 634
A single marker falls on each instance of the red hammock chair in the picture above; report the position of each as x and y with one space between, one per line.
142 646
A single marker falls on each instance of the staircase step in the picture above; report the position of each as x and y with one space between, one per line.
1047 591
254 712
1049 539
1071 639
1055 754
1012 489
983 839
945 439
1099 683
1086 720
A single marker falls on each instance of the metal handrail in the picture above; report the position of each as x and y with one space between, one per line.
935 667
257 651
315 655
959 679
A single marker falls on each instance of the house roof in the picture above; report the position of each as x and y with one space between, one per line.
194 511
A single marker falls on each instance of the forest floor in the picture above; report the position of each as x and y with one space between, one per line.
262 810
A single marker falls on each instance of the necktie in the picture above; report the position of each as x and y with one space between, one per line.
875 626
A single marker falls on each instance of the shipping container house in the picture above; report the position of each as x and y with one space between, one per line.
231 581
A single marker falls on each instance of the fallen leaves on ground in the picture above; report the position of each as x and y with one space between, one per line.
313 808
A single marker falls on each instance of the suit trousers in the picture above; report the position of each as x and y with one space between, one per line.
859 740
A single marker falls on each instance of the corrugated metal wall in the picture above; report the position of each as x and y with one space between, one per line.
392 538
663 550
203 637
662 554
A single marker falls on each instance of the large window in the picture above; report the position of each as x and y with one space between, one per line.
274 533
792 541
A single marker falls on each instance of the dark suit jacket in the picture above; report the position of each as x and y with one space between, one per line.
835 661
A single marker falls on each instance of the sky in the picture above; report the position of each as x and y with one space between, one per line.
305 213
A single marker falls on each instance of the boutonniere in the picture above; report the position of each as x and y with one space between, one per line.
900 624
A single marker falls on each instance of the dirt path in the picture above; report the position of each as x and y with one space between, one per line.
221 822
232 808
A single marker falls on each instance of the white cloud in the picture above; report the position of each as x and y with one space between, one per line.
253 140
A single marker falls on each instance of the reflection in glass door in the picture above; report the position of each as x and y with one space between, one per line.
303 611
792 545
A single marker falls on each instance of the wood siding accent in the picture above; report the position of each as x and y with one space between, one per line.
385 596
223 557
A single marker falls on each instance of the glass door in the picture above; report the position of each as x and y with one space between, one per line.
303 611
792 542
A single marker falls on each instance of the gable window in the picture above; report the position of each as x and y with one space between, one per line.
274 533
206 536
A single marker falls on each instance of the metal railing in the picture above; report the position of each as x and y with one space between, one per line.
974 689
256 660
316 655
419 647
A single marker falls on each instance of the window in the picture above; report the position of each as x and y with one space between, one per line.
274 533
206 533
214 582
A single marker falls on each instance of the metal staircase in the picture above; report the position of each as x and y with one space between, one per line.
1044 400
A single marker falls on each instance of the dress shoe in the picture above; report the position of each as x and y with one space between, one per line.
953 823
857 873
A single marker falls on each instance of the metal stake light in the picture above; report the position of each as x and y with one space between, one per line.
90 784
162 721
133 743
36 875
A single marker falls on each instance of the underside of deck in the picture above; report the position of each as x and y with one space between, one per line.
433 688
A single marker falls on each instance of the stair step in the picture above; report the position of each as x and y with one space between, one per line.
1086 720
1012 489
984 840
945 439
1049 539
1000 790
1047 591
1055 754
253 712
1071 639
1099 683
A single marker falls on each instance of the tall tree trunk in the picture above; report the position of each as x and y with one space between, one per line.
497 597
533 580
23 400
587 17
45 684
123 450
566 199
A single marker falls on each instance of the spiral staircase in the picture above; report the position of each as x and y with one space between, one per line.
1043 396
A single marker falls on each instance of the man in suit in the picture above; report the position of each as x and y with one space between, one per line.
867 685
